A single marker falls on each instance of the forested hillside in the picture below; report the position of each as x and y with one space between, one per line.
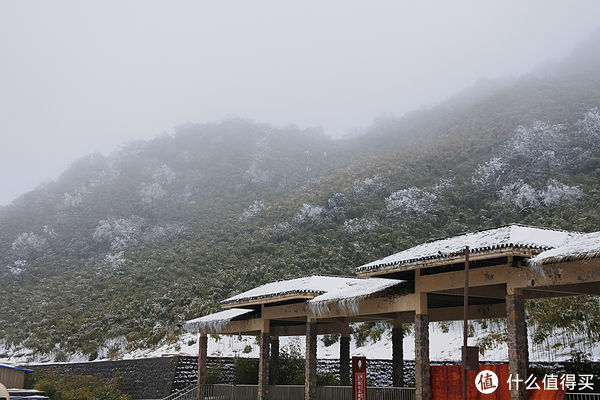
122 248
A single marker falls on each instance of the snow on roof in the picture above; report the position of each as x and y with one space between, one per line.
578 246
348 295
214 321
507 236
323 287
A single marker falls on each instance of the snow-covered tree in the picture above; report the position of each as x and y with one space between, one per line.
74 199
589 128
368 185
558 193
519 194
254 210
28 245
161 234
489 172
120 233
360 225
308 212
151 193
413 200
164 175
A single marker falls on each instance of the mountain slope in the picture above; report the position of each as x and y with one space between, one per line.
122 248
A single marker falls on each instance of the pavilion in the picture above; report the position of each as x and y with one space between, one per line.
422 284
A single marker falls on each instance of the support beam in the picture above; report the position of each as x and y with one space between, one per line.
422 372
202 360
518 352
345 357
310 371
274 378
300 330
481 311
263 362
397 355
371 307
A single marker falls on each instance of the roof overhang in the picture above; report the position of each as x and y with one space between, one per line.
474 255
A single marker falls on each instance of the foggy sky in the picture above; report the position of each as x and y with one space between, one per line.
82 76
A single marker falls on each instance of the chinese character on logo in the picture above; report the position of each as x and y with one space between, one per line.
550 382
568 382
486 381
512 380
531 383
585 382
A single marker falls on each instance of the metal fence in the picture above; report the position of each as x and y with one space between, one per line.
582 396
295 392
189 393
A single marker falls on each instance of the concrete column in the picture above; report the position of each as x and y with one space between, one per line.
274 379
397 355
202 360
310 371
345 356
518 351
263 363
422 372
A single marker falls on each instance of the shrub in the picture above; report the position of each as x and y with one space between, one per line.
74 387
245 371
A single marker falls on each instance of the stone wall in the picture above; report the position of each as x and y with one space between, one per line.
147 378
155 378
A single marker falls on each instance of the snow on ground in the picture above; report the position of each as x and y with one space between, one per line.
443 347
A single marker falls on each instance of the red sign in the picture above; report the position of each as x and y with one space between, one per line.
359 378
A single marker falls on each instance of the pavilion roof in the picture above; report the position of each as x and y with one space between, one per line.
506 237
315 289
579 246
215 320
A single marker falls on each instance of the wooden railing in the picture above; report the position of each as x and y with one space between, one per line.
293 392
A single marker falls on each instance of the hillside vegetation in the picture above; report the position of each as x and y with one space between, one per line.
119 250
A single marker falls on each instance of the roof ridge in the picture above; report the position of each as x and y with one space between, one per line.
513 235
508 225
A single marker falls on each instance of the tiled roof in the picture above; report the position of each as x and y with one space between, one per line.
316 286
510 236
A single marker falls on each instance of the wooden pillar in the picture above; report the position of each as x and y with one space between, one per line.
518 351
310 369
345 356
202 360
397 354
422 372
274 378
263 362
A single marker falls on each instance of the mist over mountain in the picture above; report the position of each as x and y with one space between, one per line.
122 248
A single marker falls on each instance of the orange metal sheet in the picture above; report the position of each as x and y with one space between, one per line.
446 384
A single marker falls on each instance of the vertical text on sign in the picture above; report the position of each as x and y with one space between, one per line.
359 378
